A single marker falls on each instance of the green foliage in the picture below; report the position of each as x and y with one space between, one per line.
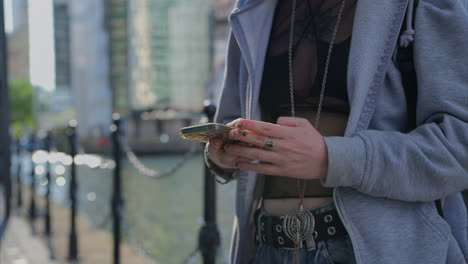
21 102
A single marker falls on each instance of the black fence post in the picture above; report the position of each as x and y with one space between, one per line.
19 194
5 152
47 224
209 240
117 202
73 239
32 203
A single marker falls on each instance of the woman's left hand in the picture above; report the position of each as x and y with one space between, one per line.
298 151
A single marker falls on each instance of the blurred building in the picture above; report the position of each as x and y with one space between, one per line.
169 52
62 45
222 9
160 47
190 55
142 75
89 66
116 23
18 42
161 52
19 13
61 99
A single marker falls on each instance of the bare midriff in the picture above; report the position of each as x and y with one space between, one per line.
280 194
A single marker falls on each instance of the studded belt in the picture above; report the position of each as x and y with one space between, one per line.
270 230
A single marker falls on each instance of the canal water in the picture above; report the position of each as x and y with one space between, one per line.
164 215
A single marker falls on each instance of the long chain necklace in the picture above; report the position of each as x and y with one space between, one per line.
299 224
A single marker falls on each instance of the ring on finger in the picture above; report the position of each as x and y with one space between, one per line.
269 143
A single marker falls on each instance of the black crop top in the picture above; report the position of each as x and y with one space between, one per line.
314 23
274 93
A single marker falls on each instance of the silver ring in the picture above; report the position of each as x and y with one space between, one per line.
269 143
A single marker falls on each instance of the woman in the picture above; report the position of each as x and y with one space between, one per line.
351 178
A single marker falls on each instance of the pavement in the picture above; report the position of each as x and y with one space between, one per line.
25 243
21 247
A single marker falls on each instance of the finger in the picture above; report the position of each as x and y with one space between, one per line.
252 153
238 159
252 138
215 144
224 159
263 168
292 121
229 160
216 141
244 144
233 123
264 128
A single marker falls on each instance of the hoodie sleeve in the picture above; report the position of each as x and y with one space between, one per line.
431 161
229 106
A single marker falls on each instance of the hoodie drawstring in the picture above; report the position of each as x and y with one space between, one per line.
408 34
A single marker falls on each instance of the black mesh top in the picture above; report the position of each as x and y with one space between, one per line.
314 24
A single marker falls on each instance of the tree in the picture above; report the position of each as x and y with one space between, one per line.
21 101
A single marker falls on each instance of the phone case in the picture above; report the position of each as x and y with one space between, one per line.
203 133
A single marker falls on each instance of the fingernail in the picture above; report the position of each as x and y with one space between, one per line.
240 124
232 134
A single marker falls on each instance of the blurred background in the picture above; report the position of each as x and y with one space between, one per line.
92 96
155 63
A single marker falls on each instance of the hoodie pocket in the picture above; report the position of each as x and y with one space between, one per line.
431 218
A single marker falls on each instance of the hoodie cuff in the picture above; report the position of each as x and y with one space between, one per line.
226 175
346 161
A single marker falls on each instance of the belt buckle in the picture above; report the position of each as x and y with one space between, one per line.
306 228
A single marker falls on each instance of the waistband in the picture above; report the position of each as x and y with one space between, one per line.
317 224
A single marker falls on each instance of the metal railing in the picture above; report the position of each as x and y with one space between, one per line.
208 242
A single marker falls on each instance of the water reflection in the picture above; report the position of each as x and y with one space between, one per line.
164 214
39 170
59 169
60 181
91 196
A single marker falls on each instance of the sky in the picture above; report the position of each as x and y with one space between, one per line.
41 50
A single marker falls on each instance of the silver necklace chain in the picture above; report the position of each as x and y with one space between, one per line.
290 62
294 217
327 62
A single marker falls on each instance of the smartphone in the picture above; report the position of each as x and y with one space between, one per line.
204 132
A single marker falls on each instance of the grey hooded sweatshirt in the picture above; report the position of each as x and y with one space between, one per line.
385 180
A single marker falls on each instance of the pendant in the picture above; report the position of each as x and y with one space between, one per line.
298 225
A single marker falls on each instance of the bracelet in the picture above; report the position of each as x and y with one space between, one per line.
226 174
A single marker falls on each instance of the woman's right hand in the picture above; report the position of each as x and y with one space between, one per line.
218 155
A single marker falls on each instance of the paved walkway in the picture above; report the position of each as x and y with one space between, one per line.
20 246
